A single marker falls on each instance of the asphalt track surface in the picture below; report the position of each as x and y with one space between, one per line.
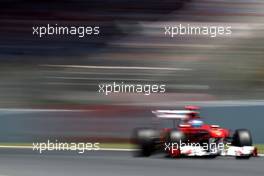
116 163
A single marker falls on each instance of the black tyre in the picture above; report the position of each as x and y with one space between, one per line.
175 138
242 137
145 140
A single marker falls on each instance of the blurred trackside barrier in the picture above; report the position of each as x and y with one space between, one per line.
108 123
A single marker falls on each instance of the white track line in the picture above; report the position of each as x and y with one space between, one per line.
15 147
31 147
117 149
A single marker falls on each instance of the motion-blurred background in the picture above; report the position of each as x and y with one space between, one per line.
49 91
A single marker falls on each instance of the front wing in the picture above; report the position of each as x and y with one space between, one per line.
230 151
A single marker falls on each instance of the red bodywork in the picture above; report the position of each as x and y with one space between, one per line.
189 134
196 134
201 133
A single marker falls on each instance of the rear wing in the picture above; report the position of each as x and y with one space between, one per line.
173 114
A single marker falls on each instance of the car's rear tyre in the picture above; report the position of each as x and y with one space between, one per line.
145 139
174 139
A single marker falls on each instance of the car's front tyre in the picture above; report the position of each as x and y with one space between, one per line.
241 138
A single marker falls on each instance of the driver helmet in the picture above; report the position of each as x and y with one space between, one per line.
196 122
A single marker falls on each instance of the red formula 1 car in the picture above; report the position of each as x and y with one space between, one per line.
190 136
